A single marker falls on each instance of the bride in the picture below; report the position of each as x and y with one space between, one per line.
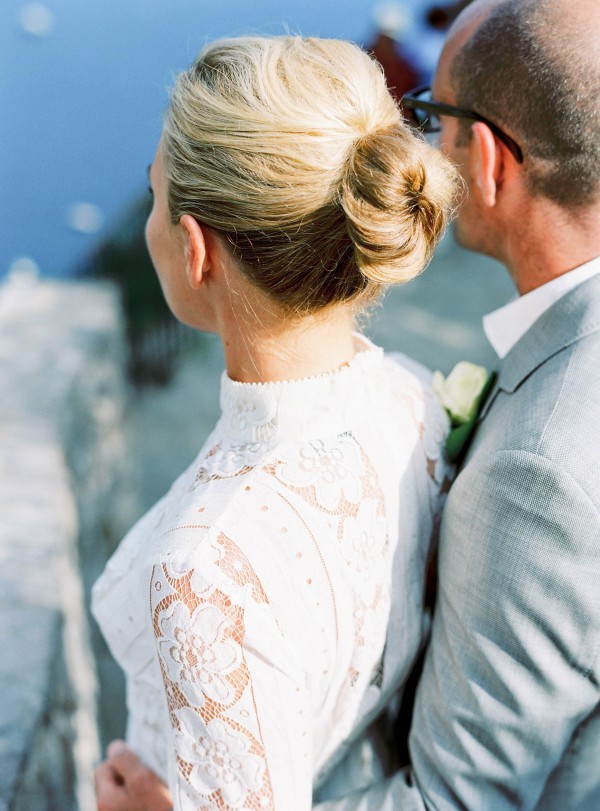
269 607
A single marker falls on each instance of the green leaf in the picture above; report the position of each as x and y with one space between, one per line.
460 435
458 438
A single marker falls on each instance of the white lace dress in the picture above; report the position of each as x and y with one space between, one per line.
250 607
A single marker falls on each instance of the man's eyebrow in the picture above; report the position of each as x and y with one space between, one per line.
148 171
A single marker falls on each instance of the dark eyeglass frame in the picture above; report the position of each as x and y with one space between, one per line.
412 101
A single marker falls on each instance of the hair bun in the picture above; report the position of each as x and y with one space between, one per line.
295 152
397 193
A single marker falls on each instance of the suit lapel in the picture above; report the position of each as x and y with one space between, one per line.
571 318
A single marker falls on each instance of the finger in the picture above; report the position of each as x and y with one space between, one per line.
125 762
116 747
104 775
110 793
112 798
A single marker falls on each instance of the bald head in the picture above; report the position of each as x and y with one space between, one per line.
533 68
580 15
473 15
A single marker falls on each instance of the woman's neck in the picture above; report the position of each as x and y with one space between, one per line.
268 349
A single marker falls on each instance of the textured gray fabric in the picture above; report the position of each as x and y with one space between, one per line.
507 714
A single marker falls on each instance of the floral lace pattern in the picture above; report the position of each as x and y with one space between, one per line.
233 460
329 469
254 411
223 769
275 565
199 633
337 478
199 627
196 652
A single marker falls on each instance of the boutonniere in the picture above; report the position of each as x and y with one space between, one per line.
462 394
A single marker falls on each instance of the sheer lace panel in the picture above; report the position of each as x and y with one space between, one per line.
199 631
338 479
229 462
272 583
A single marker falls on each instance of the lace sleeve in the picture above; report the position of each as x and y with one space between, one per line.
217 645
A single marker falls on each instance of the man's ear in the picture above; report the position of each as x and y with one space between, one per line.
487 162
196 260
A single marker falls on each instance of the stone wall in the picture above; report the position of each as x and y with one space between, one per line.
62 398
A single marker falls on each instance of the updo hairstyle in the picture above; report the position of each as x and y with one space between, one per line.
295 151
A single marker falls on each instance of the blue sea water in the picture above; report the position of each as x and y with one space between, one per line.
81 104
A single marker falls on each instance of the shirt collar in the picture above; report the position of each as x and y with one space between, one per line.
507 325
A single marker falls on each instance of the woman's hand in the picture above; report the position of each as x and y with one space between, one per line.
123 783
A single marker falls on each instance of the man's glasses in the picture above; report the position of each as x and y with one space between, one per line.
424 113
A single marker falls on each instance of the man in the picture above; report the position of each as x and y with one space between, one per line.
507 714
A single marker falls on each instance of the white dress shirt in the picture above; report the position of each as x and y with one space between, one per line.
505 326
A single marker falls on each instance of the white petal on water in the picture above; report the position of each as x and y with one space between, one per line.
86 218
36 19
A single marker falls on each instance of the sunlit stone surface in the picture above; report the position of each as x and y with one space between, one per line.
62 453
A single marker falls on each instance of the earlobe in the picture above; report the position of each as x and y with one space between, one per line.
487 163
195 250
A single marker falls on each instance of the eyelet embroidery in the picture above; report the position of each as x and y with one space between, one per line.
331 486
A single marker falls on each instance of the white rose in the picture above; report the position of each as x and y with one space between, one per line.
460 391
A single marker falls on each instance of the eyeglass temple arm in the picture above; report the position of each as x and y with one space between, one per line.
413 103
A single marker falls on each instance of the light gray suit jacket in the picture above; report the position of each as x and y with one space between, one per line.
507 713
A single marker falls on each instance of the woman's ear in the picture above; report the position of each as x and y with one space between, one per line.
487 162
196 259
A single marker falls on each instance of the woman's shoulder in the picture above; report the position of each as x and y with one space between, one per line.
231 512
409 368
258 516
245 546
412 381
416 404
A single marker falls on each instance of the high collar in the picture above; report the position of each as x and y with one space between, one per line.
299 409
571 318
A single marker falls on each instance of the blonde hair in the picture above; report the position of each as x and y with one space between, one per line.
296 152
